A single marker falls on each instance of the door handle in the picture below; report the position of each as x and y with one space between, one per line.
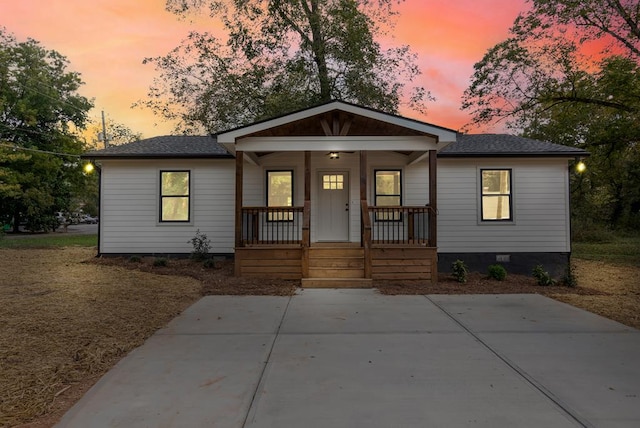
347 207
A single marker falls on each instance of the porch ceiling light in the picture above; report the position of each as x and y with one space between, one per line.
334 155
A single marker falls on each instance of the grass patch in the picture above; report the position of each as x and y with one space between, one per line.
621 249
49 241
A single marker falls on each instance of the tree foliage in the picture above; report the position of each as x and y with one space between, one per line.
117 133
281 56
569 73
40 111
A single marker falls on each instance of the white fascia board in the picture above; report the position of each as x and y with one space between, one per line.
335 144
442 134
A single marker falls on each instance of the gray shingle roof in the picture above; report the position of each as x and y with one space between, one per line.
168 146
495 145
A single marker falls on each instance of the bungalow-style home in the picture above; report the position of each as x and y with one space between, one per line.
338 195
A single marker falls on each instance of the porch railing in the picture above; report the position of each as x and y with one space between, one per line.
272 225
401 225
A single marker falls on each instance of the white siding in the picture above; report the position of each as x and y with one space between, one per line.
129 220
540 207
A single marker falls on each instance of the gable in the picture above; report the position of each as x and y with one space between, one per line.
338 119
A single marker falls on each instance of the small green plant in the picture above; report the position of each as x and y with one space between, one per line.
160 262
201 246
209 264
459 271
135 259
542 276
497 272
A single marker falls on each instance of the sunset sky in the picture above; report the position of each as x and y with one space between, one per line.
106 41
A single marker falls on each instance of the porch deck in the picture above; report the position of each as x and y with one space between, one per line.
395 246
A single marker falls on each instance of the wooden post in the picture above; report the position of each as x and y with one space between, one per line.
433 198
238 213
306 215
363 175
239 174
365 223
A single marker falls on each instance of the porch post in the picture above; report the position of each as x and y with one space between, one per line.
433 198
238 221
365 226
237 262
306 215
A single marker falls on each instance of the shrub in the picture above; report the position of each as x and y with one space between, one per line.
209 264
497 272
160 262
542 276
135 259
201 246
459 271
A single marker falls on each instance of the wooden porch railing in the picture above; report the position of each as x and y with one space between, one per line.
365 225
272 225
401 225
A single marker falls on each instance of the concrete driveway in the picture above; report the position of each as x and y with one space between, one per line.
355 358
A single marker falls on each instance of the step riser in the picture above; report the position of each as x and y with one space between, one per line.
335 283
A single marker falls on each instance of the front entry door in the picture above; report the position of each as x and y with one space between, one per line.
333 206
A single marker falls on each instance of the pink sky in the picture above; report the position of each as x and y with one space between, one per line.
106 41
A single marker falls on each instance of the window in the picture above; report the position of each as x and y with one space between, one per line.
174 196
332 181
280 194
496 195
388 193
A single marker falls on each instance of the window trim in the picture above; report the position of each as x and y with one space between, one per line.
375 193
509 195
270 217
162 197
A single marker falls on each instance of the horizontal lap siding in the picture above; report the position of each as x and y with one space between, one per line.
130 202
540 207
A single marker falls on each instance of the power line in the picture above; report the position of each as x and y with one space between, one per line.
16 147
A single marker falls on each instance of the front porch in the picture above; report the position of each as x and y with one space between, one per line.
369 199
396 242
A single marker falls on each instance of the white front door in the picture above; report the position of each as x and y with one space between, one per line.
333 206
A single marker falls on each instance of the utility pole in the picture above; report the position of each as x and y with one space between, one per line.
104 132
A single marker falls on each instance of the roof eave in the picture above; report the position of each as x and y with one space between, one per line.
568 155
156 156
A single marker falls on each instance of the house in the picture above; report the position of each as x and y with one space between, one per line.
339 194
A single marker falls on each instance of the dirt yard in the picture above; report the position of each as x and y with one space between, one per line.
68 317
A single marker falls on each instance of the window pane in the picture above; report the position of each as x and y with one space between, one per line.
496 208
388 201
333 182
496 182
175 183
280 189
175 209
388 183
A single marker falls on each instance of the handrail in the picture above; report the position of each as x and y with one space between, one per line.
401 225
272 225
366 237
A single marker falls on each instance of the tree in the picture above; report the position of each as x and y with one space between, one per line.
40 112
281 56
570 73
553 52
117 133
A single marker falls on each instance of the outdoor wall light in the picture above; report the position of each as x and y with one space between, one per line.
581 167
88 168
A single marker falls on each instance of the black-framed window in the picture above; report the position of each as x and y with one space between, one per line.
175 196
280 194
497 191
388 193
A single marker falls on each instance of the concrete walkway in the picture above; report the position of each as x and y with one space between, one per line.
355 358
